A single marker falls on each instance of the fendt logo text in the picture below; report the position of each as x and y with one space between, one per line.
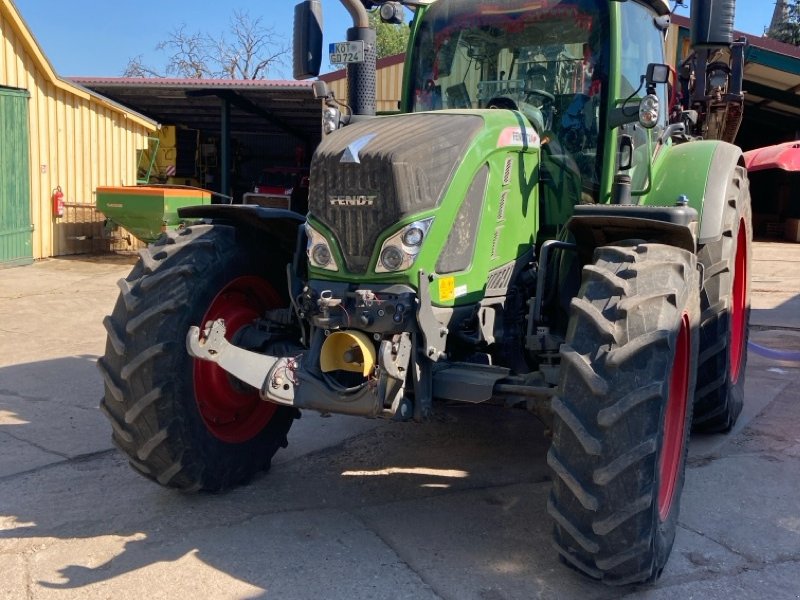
352 200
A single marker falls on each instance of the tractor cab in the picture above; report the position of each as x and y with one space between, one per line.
565 65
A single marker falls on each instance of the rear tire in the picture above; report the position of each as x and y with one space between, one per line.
725 302
183 422
621 420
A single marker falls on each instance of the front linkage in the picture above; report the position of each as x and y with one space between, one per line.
391 367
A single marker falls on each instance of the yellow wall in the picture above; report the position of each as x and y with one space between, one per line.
390 87
389 84
78 140
671 50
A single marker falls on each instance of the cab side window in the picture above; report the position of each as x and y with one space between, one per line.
642 43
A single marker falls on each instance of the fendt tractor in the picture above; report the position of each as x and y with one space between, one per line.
555 220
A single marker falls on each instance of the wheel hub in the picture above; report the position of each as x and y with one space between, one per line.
232 411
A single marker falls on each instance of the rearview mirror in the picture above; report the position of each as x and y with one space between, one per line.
625 153
307 39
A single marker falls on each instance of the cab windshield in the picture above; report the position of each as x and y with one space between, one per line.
547 58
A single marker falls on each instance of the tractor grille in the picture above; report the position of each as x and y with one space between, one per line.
370 175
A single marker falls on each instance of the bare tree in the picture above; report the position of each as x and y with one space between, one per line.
252 50
136 68
248 50
189 54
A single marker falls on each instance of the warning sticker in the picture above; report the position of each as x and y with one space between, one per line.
517 137
447 289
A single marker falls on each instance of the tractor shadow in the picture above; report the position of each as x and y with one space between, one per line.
451 508
398 504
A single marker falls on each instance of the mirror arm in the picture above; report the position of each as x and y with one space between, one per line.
617 117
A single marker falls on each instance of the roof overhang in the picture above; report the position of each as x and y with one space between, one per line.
256 106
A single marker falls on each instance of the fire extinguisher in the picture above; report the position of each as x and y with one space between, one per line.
58 202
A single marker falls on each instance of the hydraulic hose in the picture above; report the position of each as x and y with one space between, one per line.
788 355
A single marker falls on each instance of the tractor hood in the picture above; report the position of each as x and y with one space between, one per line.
372 174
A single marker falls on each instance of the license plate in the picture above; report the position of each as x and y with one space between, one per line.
347 52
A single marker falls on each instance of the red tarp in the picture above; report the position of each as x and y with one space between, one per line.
782 156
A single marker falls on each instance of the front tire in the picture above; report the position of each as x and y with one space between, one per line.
183 422
622 417
725 302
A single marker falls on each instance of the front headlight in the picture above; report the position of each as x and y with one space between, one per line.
649 111
318 251
330 119
392 258
400 250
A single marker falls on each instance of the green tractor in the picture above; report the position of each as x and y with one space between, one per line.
556 221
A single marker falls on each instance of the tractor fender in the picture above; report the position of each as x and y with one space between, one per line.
595 225
274 227
701 171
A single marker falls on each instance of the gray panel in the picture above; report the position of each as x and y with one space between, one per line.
457 253
498 280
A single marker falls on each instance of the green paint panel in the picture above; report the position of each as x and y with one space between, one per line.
681 170
15 194
146 210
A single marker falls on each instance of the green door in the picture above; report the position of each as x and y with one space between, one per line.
15 191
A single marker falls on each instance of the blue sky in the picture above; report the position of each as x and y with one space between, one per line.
94 37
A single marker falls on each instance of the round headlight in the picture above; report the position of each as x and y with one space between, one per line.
321 255
413 237
650 103
330 119
392 258
649 111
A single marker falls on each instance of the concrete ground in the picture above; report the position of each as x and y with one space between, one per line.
356 509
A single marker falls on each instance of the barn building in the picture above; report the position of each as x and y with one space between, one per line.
55 135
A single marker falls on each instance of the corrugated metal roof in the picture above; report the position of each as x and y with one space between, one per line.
267 84
257 106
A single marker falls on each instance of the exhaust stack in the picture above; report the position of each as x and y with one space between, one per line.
712 23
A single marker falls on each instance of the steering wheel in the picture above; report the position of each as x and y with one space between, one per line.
532 113
502 102
539 98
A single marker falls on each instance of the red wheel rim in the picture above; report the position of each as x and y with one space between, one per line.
232 411
738 314
674 422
